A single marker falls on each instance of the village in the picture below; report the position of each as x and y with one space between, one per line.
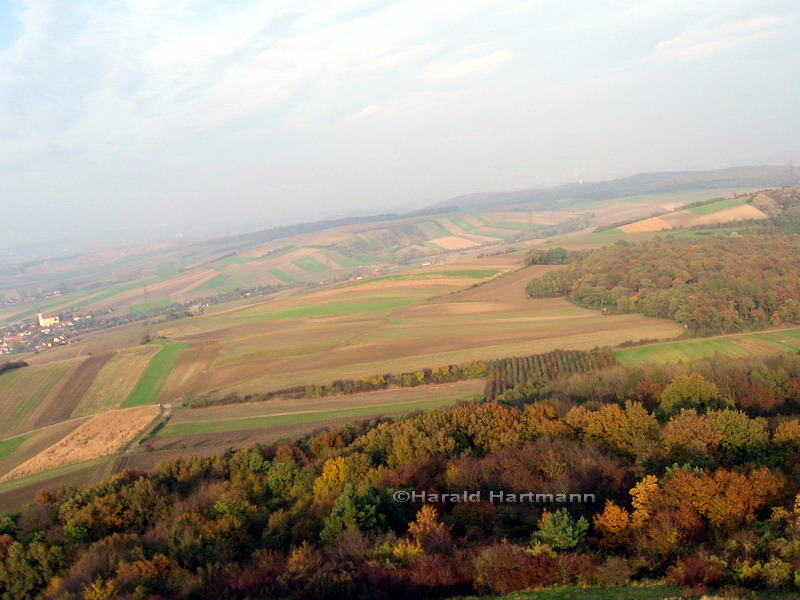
40 334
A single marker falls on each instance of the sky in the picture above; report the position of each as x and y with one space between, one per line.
133 113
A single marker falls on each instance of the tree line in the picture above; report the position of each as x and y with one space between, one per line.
719 284
12 364
503 375
695 478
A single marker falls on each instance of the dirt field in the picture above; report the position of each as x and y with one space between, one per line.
651 224
101 435
69 394
116 380
743 212
26 393
37 442
15 493
453 242
389 325
509 287
310 414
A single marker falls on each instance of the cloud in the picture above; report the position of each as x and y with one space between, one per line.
701 42
367 111
469 67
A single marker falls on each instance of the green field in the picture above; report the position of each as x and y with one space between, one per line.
151 305
707 209
628 592
7 447
22 391
278 274
309 264
154 378
734 346
300 418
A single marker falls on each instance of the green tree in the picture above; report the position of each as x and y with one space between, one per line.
561 530
353 511
691 391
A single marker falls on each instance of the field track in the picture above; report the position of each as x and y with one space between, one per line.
72 390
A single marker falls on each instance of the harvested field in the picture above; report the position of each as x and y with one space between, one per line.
30 444
69 394
310 412
453 242
190 370
102 435
115 382
508 287
20 491
651 224
24 393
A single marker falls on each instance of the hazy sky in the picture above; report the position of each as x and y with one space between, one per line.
126 113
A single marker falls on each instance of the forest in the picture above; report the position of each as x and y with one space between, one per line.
719 284
694 470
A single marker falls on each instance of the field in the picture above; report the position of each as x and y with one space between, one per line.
116 380
628 592
102 435
740 345
152 381
391 324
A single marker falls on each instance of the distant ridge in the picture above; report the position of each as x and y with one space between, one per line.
643 183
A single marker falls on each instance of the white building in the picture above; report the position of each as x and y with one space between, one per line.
47 321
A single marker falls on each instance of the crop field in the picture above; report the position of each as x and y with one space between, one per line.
102 435
116 380
19 491
155 376
735 346
24 393
282 413
707 209
16 450
395 323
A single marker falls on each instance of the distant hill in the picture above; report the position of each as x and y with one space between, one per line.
643 183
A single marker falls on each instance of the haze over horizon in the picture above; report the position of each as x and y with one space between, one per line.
134 113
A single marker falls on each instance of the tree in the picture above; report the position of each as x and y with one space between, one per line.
691 391
353 511
561 530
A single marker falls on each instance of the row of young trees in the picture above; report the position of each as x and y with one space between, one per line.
689 487
502 375
523 373
721 283
476 369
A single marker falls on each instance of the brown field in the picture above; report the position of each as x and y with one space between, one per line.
38 441
25 393
190 370
16 493
202 276
159 289
102 435
382 401
452 242
651 224
258 353
116 380
683 218
69 394
509 287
